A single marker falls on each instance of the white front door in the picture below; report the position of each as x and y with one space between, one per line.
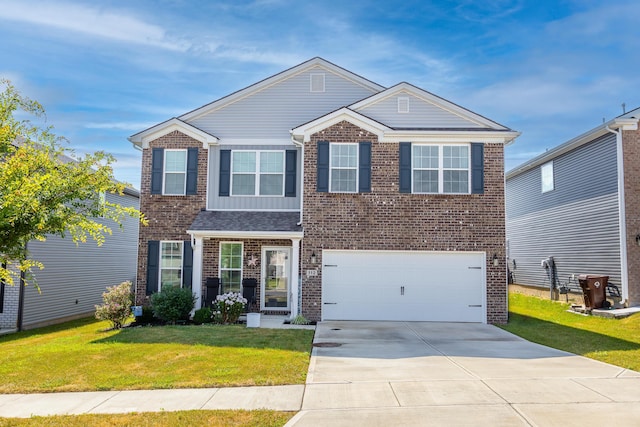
276 274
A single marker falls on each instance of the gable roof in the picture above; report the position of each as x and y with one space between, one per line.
627 121
142 139
303 132
242 93
476 120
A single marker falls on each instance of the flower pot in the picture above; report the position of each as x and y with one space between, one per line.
253 320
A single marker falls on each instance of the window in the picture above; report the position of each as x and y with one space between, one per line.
257 173
440 168
170 264
343 168
546 172
231 266
175 172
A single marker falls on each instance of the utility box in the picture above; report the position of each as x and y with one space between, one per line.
594 290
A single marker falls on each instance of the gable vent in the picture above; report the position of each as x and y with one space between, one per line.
317 82
403 105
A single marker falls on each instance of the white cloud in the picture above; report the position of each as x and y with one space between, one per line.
90 20
131 126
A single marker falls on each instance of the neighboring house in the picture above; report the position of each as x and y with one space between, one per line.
74 276
341 198
580 203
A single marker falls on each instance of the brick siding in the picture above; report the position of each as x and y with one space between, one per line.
631 155
388 220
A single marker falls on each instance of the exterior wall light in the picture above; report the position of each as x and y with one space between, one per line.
495 260
313 258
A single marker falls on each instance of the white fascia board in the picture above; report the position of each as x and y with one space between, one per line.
591 135
277 78
429 98
486 137
230 234
143 138
243 142
304 132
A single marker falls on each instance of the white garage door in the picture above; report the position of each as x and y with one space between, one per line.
397 285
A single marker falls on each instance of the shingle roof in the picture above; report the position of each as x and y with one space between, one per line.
246 221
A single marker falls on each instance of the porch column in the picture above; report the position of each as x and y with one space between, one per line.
295 276
196 280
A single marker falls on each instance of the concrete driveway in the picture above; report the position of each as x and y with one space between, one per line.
457 374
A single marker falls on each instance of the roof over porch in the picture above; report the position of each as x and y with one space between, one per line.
247 224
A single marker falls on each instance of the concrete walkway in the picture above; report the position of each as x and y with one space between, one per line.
404 374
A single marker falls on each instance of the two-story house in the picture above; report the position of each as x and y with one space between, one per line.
343 199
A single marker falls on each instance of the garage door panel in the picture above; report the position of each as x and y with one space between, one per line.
413 286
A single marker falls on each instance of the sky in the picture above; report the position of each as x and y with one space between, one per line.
107 70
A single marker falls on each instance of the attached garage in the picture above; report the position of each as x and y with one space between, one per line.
404 285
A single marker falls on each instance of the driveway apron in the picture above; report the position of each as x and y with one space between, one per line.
457 374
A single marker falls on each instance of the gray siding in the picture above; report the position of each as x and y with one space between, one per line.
577 223
581 236
244 202
421 114
273 111
75 277
584 173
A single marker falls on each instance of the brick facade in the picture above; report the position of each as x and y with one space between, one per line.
385 219
631 156
169 216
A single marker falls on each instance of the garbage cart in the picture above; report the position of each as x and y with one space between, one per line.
593 289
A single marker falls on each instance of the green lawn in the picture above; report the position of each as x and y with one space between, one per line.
82 356
159 419
615 341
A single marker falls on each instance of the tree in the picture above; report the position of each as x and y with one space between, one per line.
46 189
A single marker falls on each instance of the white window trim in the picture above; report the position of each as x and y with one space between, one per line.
263 277
220 268
441 168
164 172
257 173
547 166
331 167
162 242
403 104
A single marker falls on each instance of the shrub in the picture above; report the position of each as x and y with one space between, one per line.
300 320
229 307
203 315
117 305
172 304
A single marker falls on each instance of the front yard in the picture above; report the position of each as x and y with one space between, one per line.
82 356
615 341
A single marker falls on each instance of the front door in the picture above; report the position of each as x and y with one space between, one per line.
275 278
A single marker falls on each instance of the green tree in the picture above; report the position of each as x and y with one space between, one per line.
45 189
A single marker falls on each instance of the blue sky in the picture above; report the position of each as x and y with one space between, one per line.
106 70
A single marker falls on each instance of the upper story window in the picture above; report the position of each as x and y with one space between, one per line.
343 168
440 168
546 172
257 173
170 264
175 172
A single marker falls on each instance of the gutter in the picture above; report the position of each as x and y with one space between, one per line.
621 215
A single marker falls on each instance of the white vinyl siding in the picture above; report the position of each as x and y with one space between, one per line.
257 173
441 169
231 254
343 168
175 172
546 173
170 264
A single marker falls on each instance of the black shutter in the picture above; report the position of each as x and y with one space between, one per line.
405 167
187 265
322 185
364 178
192 171
153 266
225 173
477 168
157 164
290 173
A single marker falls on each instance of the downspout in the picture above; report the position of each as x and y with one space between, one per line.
301 145
621 215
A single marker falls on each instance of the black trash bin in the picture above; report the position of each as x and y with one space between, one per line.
594 290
